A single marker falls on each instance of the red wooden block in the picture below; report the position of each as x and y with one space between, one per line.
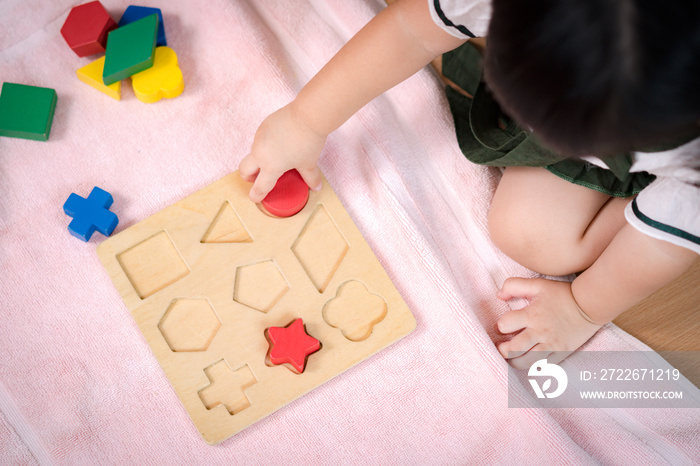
291 344
86 28
289 195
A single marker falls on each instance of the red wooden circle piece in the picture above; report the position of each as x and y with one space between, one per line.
289 195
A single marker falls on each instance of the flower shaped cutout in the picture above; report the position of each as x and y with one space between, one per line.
354 310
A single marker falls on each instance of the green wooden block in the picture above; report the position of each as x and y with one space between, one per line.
130 49
26 111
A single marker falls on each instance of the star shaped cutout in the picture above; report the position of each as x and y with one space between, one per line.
291 344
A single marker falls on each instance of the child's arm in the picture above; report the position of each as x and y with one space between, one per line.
394 45
632 267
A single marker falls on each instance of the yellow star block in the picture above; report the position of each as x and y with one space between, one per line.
92 75
164 79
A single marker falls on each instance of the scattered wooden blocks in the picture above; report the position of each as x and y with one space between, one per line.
92 75
163 79
90 214
134 13
26 111
86 28
130 49
288 197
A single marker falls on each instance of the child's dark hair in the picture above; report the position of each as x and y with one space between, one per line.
596 77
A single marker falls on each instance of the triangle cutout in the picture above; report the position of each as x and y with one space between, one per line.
226 228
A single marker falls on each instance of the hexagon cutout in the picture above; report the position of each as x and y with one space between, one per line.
189 325
259 286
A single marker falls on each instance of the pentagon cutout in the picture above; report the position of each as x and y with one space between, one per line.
259 286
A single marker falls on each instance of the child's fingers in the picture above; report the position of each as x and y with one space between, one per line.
527 360
248 169
519 345
312 177
558 356
264 183
516 287
512 321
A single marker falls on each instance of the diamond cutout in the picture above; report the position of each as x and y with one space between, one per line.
259 286
320 248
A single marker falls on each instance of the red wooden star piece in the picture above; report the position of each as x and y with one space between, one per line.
291 344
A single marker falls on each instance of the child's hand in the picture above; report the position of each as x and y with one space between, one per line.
282 142
552 322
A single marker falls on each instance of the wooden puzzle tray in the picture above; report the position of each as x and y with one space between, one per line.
206 278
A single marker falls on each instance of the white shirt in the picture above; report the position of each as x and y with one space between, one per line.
463 19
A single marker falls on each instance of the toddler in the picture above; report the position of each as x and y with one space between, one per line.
593 107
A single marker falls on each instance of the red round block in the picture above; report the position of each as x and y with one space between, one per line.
86 28
289 195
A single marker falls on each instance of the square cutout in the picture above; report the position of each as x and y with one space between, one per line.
153 264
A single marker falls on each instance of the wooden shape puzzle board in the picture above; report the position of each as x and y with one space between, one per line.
206 277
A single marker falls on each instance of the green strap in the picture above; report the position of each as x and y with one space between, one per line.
464 67
482 139
619 164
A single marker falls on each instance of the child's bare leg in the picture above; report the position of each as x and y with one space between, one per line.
550 225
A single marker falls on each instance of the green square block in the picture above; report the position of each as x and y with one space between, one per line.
26 111
130 49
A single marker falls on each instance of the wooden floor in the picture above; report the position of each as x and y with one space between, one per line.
669 320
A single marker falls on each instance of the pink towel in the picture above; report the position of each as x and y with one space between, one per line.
78 383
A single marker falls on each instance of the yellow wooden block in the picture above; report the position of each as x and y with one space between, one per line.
163 79
92 75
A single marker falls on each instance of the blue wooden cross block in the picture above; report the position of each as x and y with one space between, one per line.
90 214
